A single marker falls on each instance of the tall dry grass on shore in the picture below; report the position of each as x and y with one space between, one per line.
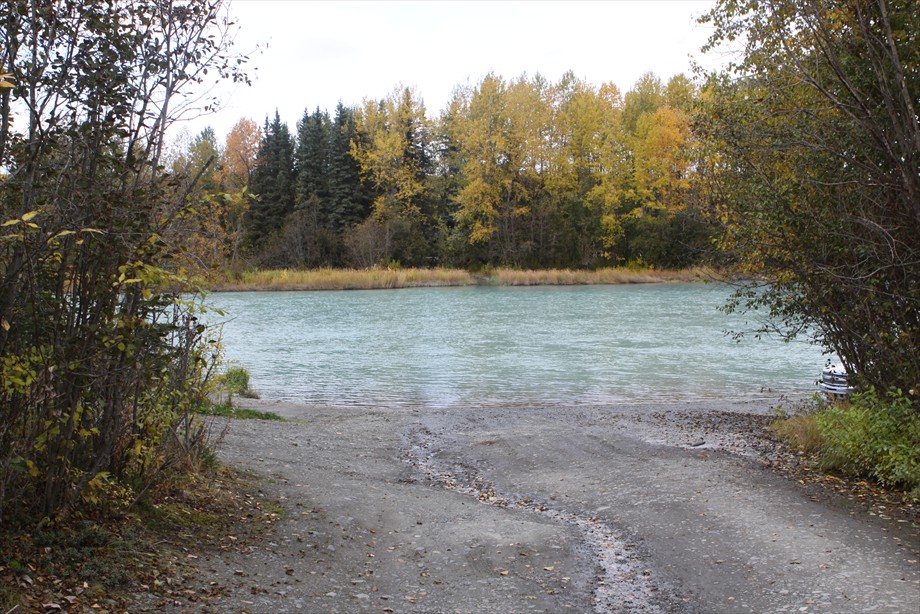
609 276
380 278
341 279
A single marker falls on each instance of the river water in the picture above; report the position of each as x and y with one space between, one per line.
507 345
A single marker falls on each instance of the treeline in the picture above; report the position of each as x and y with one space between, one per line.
523 173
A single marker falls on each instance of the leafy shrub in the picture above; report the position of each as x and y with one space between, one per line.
874 436
102 347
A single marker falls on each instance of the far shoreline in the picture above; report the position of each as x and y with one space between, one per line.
394 278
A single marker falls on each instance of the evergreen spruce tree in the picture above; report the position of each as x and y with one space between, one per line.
205 150
273 183
305 239
349 199
414 231
446 181
312 157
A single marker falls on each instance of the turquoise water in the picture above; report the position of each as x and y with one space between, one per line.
498 345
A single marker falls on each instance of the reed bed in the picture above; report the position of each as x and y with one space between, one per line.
608 276
342 279
373 279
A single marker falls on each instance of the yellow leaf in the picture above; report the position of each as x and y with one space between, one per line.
28 216
4 324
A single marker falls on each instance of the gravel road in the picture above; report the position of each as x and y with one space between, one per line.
632 508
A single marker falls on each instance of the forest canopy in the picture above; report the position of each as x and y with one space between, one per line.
519 172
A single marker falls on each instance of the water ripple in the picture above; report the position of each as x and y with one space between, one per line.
474 345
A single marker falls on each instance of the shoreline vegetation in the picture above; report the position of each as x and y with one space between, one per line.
393 278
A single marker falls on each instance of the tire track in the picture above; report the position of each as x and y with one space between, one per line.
623 583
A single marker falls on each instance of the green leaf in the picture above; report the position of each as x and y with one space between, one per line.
18 464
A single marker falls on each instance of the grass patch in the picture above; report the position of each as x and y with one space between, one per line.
609 276
181 516
235 380
343 279
228 410
392 278
69 563
800 432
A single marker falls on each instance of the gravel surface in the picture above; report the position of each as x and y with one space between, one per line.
628 508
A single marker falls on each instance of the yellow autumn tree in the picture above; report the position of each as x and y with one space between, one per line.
235 176
392 151
580 130
239 156
660 159
503 138
614 159
482 133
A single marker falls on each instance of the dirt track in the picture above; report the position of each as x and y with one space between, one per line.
658 508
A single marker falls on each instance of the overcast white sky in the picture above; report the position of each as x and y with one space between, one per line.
315 53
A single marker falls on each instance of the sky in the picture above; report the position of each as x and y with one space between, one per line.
309 54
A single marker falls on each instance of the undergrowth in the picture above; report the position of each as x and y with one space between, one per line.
801 432
105 562
868 436
874 436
